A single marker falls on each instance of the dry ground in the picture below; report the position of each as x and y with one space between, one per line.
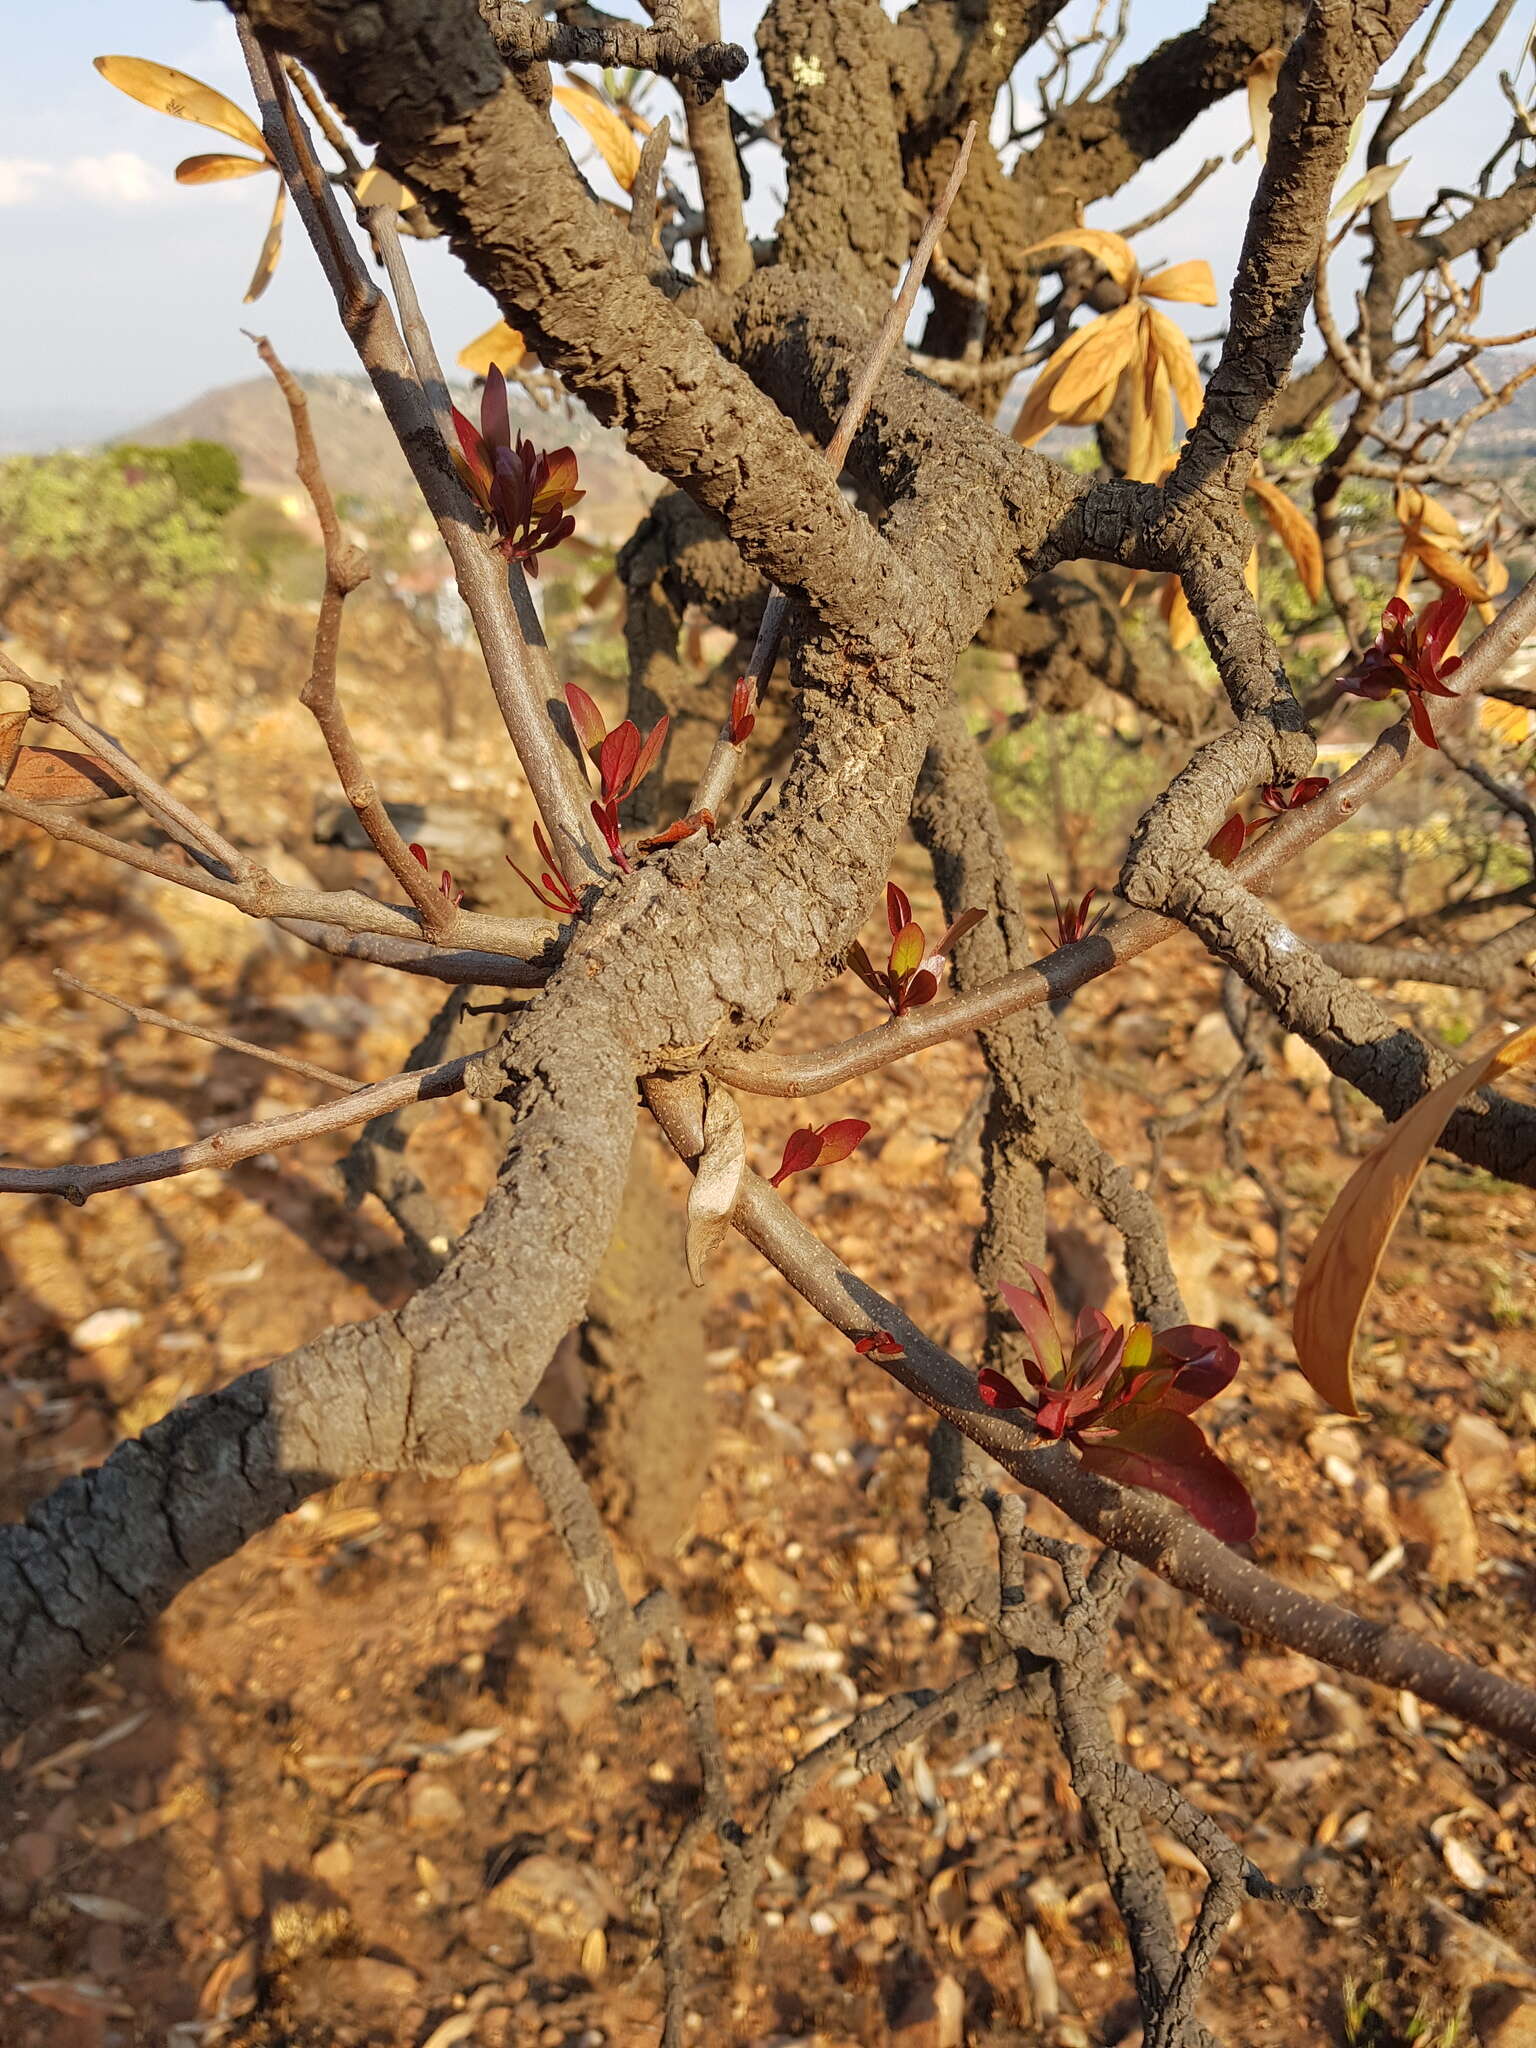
308 1803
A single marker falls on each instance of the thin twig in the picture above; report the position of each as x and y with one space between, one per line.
142 1015
553 777
240 1141
345 569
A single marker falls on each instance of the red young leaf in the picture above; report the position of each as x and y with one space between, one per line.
898 910
495 424
997 1390
646 759
477 461
1227 844
1169 1454
922 988
616 759
965 922
879 1344
1280 796
743 718
419 853
802 1149
859 961
586 717
606 818
841 1138
1033 1316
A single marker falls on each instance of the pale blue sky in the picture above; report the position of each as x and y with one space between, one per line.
125 289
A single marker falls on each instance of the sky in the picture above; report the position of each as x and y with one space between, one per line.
125 289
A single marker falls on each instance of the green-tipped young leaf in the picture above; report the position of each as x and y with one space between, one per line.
907 950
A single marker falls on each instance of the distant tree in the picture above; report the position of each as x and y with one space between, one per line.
206 473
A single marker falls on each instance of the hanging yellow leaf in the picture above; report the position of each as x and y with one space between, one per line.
1450 571
1263 73
1510 724
213 170
378 188
1295 532
188 99
1174 606
1492 571
615 144
1040 412
1192 283
1172 344
1151 407
1114 252
1416 508
1086 385
271 249
1376 184
1346 1254
1251 572
501 345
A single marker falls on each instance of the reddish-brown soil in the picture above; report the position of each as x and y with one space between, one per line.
284 1820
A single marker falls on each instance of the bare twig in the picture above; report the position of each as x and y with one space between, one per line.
345 569
142 1015
240 1141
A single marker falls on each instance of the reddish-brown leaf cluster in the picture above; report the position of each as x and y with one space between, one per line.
1072 921
820 1147
912 974
528 493
1281 797
879 1344
743 711
1411 654
682 828
552 889
1278 797
444 879
623 761
1123 1398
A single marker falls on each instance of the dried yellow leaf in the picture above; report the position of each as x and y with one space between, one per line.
501 344
1040 413
1174 606
1087 384
215 169
1151 407
1114 252
1295 532
271 249
1172 344
172 92
1192 283
378 188
615 144
1263 74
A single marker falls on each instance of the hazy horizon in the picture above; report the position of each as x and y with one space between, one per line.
127 287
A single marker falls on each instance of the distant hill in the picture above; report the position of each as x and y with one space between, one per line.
361 456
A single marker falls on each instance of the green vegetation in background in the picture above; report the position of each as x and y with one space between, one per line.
206 473
131 528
